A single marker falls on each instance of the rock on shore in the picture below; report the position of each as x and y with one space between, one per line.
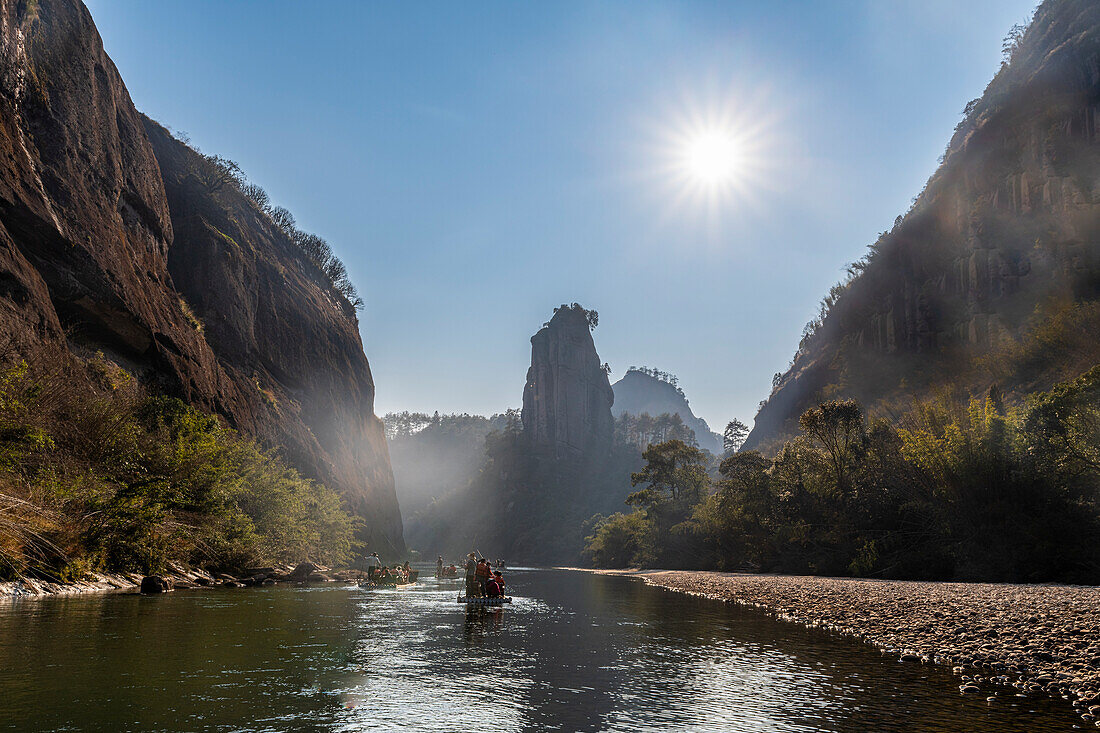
178 578
1028 637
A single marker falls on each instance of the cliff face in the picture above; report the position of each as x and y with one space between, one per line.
638 393
997 261
93 250
567 399
536 486
84 222
286 340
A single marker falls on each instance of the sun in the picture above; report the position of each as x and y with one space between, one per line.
713 153
712 158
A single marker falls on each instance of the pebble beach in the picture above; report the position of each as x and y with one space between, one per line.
999 639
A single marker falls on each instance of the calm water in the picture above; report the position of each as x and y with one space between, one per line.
576 652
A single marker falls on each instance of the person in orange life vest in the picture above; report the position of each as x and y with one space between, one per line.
482 573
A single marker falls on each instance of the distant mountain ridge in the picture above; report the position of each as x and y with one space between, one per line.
643 391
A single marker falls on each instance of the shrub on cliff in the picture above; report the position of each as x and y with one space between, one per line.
96 474
216 173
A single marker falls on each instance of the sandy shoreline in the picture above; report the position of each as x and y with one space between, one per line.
1027 637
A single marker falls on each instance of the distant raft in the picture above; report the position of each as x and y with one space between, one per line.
485 601
390 581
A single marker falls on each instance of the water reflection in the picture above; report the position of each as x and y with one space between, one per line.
575 652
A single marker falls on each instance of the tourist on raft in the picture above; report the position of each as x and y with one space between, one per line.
373 563
471 575
439 567
483 571
495 587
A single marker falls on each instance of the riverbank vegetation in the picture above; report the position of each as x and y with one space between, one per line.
98 474
958 489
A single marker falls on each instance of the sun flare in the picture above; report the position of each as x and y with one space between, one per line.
712 158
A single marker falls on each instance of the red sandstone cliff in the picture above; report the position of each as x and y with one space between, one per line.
93 250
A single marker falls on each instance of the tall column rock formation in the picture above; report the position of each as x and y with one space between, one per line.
567 400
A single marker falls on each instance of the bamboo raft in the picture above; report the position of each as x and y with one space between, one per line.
473 601
389 582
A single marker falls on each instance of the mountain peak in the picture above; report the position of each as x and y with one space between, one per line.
651 391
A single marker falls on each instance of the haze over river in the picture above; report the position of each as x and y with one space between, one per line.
575 652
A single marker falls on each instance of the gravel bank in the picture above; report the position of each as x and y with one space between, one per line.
1029 637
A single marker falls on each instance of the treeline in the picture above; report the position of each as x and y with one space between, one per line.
969 490
518 501
642 430
97 474
464 478
666 377
399 425
216 173
434 455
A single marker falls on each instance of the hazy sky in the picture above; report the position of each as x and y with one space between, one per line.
477 164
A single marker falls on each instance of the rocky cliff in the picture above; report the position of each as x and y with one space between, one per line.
542 477
567 399
638 392
111 245
993 276
284 337
84 220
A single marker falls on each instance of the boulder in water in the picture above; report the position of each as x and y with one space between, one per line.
303 571
155 584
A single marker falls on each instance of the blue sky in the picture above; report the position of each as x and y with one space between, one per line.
477 164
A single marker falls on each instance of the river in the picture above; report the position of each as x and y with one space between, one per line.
575 652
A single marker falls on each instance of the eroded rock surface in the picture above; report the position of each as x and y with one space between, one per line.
287 342
1008 226
567 399
93 250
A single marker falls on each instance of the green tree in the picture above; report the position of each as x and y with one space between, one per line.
675 473
1065 424
734 435
837 426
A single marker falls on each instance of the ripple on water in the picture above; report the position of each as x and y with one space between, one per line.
574 652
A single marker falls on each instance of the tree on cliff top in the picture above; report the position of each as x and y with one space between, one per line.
591 316
216 173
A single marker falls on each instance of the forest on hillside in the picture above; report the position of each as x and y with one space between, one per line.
958 489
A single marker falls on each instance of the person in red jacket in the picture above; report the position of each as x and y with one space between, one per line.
495 587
